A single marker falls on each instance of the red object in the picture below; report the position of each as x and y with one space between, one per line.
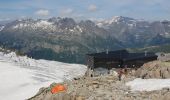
120 72
58 88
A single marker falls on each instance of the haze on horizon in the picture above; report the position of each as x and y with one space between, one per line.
85 9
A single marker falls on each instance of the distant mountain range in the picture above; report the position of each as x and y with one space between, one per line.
67 40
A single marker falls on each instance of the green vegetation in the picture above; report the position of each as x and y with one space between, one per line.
161 48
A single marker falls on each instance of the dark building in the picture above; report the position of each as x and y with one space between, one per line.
119 59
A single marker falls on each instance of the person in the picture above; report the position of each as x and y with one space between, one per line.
120 74
125 70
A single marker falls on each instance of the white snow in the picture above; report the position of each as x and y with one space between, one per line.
148 84
166 33
78 27
114 19
43 23
16 26
117 19
71 30
131 25
1 28
22 77
100 24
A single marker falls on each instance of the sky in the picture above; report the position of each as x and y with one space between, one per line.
85 9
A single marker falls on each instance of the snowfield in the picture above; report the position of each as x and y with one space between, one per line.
22 77
148 84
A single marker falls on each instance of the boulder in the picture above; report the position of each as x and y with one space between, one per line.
155 69
166 74
157 73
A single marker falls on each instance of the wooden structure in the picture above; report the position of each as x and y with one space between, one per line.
118 59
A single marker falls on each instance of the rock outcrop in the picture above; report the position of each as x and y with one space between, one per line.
155 69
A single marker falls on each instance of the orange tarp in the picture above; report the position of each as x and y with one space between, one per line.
58 88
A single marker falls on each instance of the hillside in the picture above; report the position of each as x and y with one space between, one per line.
161 48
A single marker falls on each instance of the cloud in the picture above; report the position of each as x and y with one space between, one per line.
5 19
66 12
92 8
42 12
96 19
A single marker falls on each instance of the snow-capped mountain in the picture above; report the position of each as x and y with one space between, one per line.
61 39
161 26
129 30
67 40
52 25
117 20
22 77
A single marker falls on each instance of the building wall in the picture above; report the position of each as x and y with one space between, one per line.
90 61
99 64
138 62
115 63
108 65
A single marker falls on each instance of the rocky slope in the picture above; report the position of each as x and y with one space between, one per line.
100 88
156 69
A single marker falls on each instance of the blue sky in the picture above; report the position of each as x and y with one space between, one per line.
85 9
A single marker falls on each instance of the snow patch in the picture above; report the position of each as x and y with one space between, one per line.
114 19
71 30
79 28
148 84
131 25
117 19
100 24
22 77
16 26
1 28
39 24
166 33
43 23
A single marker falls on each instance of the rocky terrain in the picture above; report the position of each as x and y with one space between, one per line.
108 87
156 69
100 88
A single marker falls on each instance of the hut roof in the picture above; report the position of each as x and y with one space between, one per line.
122 55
